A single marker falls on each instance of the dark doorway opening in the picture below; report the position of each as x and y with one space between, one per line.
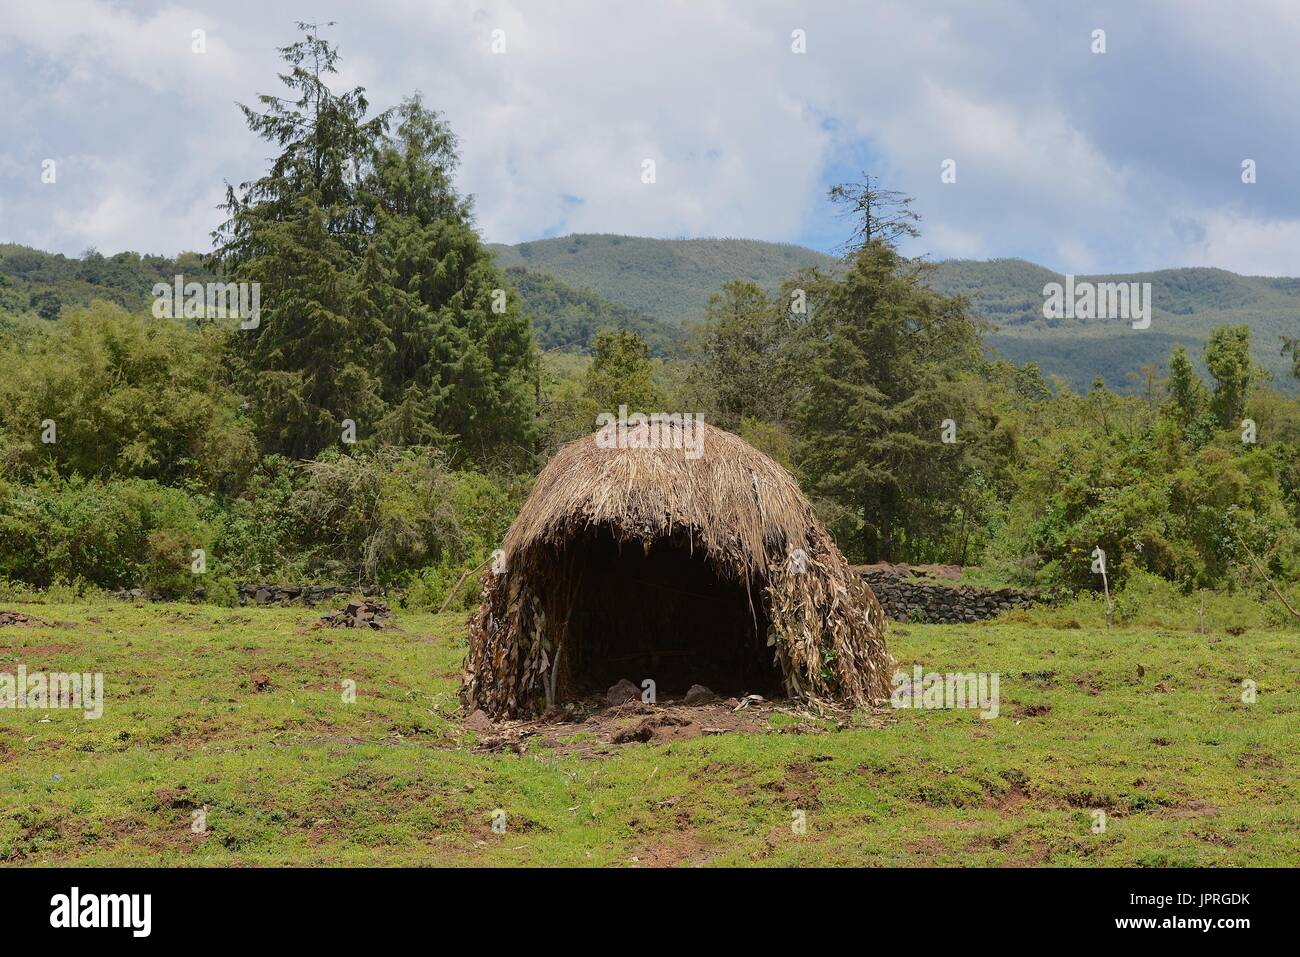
661 613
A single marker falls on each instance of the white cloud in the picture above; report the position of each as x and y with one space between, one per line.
1073 159
1247 245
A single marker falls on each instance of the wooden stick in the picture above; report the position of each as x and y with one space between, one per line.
455 588
1264 574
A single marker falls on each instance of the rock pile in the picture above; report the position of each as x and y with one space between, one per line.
358 613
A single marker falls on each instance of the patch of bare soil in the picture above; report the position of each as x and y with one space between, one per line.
8 618
1190 809
1258 759
592 728
799 785
1030 711
683 849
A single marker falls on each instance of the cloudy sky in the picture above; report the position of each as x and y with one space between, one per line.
1124 160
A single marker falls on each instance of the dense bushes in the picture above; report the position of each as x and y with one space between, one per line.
1115 473
113 393
395 518
118 533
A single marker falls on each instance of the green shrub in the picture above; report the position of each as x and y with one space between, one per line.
108 534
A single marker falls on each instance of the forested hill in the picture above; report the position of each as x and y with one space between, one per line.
1185 305
672 279
568 319
574 286
38 285
669 279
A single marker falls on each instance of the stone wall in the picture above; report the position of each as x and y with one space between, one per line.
935 602
287 594
903 596
259 594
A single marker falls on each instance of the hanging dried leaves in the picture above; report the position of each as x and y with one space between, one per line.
747 516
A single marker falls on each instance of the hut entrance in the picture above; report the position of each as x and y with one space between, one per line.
663 614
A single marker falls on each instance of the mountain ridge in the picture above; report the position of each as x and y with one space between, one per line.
672 279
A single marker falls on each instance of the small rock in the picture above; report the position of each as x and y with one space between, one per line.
478 721
698 694
622 693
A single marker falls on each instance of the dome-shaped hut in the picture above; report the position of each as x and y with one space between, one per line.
683 555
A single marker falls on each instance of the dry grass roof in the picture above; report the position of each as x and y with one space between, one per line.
739 507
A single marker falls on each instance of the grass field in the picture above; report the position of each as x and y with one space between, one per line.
240 711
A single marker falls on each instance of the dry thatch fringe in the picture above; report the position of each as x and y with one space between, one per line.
741 509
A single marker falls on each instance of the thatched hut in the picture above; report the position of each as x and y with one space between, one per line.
651 562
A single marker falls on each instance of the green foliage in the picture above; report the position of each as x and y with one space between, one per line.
378 518
380 306
47 304
1291 347
378 515
881 355
119 533
621 374
1105 471
567 318
1186 393
1227 356
741 361
769 438
128 395
262 533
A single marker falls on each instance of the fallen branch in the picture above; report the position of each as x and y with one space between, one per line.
456 587
1264 574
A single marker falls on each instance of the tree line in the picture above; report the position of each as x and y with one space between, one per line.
382 420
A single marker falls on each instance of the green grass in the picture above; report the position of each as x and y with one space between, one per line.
1187 773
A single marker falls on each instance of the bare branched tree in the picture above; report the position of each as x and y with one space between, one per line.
884 214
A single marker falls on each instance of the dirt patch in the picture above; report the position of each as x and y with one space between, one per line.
684 848
1088 683
1022 711
8 618
798 786
1191 809
1258 759
1010 801
592 728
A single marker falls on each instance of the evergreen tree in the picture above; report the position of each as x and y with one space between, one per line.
1186 393
380 303
1291 347
883 354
